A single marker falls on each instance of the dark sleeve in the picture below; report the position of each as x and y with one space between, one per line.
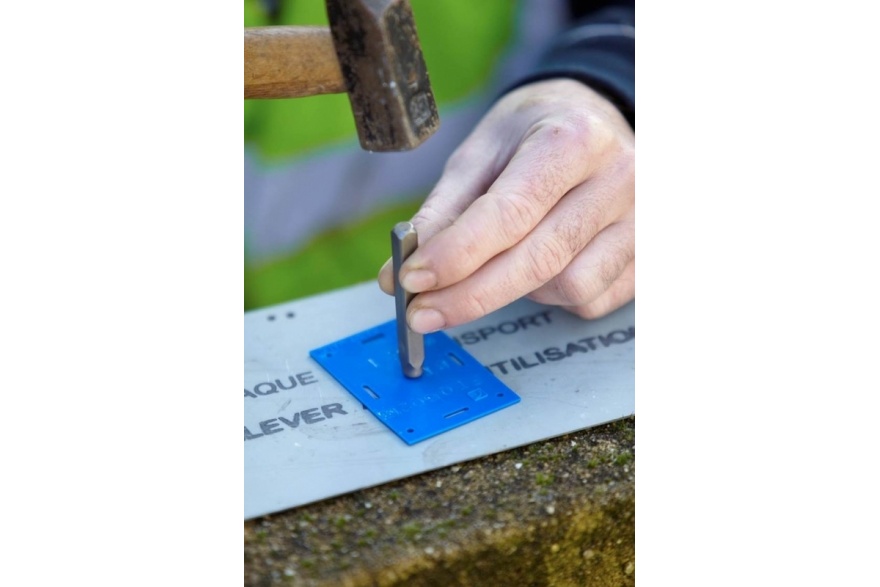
598 50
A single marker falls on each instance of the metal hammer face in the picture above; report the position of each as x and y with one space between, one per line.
384 72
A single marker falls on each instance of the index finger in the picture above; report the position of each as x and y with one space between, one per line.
468 172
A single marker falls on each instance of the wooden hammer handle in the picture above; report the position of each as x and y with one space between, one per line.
290 62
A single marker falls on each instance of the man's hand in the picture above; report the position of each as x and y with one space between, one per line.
538 201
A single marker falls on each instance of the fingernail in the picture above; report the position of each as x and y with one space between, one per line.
418 280
426 320
385 266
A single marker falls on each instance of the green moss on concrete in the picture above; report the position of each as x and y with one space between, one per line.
536 515
412 530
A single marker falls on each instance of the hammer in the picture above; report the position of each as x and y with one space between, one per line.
371 51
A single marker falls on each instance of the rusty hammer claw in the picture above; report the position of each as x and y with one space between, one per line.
371 51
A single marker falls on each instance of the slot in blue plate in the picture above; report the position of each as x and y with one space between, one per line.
454 388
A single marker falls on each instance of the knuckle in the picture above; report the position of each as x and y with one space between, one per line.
591 220
572 289
591 282
538 296
575 131
623 167
428 220
516 214
470 249
519 208
546 258
571 236
620 292
627 158
589 311
425 217
612 266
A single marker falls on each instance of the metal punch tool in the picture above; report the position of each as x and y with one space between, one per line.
411 345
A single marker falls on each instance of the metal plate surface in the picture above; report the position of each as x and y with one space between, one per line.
453 390
306 438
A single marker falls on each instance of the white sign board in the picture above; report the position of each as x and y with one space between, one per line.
307 438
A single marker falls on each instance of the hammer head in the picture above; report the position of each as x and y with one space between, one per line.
384 71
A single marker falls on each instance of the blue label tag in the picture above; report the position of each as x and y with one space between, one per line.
454 388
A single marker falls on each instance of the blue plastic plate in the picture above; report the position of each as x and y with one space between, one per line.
454 388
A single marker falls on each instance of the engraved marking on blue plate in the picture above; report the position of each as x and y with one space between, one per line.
454 388
477 394
455 413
